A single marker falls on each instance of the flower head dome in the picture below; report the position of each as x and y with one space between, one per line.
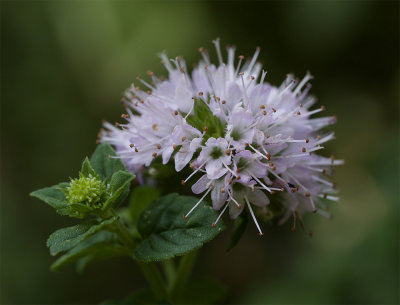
245 138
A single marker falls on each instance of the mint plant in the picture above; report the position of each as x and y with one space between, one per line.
252 146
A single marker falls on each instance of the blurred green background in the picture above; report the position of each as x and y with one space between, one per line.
63 67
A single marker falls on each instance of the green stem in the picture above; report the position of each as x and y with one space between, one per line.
155 280
182 276
150 270
170 272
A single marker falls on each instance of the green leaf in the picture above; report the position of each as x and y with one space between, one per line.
119 182
101 242
239 228
166 234
202 116
67 238
141 198
87 169
55 197
204 291
103 164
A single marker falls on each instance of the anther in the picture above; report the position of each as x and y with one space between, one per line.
262 107
324 171
268 156
109 156
301 105
183 139
154 154
137 88
323 108
222 190
131 145
176 112
241 73
315 211
183 182
174 147
213 224
308 194
246 144
191 165
116 124
303 149
154 127
274 168
228 152
148 92
150 73
298 112
261 234
142 101
184 217
205 128
201 93
136 150
125 116
201 50
223 102
264 112
273 109
158 146
182 69
230 181
218 99
267 135
307 140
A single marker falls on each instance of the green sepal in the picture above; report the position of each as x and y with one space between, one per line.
239 228
101 242
119 182
166 234
103 164
67 238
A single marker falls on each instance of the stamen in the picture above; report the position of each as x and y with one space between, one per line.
254 217
195 206
219 216
217 47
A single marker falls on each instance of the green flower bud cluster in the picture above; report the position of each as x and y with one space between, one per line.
90 191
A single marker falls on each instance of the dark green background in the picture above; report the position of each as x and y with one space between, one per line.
63 67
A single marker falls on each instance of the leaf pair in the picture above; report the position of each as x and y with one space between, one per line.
101 166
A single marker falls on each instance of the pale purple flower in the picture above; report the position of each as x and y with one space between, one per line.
246 138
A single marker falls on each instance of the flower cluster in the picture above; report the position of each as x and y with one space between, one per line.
247 138
90 191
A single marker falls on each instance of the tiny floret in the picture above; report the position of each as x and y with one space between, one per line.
235 132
